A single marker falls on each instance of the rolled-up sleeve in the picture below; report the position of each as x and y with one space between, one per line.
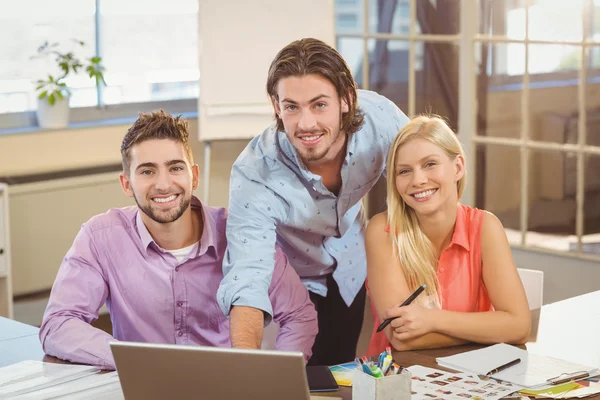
292 309
79 291
254 211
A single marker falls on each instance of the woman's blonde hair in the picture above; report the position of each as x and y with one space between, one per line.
412 247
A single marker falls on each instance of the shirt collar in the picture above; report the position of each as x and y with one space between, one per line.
461 234
207 239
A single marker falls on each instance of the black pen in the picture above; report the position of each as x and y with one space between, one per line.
503 367
406 302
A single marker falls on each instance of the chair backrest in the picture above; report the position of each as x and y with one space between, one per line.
533 282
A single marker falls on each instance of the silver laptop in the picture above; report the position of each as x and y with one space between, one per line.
157 371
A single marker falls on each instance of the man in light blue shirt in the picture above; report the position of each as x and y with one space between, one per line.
300 184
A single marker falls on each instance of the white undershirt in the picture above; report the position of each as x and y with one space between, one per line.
182 254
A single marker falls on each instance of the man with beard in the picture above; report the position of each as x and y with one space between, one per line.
300 184
158 266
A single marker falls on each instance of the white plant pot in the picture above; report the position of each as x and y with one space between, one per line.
53 116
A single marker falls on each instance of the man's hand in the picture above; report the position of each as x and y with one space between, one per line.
246 325
410 321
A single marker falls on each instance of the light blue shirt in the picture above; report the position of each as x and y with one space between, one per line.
274 198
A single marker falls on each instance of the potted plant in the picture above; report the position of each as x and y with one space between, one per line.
53 93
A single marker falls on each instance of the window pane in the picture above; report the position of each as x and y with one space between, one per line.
389 16
346 22
553 98
352 51
349 16
592 98
502 18
595 20
552 188
498 168
556 20
436 80
27 24
388 70
499 95
593 60
545 58
591 202
150 50
433 17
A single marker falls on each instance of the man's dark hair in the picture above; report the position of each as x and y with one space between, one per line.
155 125
312 56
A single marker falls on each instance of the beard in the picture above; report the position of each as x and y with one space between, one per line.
309 155
163 217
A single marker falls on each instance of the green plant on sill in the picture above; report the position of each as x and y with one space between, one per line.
54 87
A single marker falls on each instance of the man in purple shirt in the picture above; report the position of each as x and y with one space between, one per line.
157 266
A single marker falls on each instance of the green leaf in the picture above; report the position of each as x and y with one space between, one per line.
43 95
51 99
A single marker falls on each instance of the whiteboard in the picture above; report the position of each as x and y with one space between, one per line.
237 42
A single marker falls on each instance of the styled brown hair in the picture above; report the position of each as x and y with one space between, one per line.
312 56
155 125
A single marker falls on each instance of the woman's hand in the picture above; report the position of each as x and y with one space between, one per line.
410 321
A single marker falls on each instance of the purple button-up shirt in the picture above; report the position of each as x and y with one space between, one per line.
154 298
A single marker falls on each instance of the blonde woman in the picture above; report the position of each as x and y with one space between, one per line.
473 291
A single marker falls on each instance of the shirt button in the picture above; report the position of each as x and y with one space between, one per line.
179 303
180 333
176 269
442 269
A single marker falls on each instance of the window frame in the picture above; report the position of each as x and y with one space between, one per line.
467 40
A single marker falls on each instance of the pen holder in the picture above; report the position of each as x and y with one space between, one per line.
392 387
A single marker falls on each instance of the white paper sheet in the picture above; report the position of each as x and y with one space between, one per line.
28 376
533 370
94 386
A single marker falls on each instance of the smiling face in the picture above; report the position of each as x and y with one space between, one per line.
426 177
161 179
311 113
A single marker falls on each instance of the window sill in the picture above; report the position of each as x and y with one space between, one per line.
564 245
85 125
548 84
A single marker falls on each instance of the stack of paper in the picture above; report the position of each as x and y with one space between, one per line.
571 390
39 380
531 372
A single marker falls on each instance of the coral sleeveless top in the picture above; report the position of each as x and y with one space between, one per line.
459 273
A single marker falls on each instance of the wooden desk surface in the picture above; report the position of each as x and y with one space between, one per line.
568 329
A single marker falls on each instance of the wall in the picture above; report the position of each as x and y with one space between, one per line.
47 215
564 277
57 150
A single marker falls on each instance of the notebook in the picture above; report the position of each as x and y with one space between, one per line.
533 370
